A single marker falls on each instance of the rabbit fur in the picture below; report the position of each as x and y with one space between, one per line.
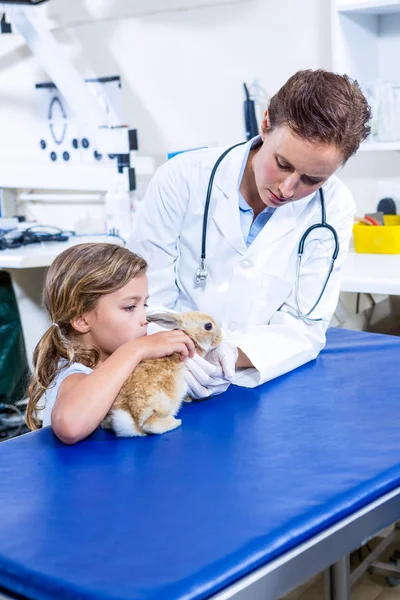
152 395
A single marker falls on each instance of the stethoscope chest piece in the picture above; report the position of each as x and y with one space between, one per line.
201 273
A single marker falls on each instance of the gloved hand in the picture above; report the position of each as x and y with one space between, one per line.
225 355
203 378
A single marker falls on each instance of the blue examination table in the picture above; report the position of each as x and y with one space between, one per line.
257 490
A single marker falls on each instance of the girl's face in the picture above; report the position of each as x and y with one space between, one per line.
288 168
119 317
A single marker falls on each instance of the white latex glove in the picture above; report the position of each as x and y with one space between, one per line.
225 356
203 378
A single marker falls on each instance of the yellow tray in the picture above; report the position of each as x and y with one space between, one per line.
370 239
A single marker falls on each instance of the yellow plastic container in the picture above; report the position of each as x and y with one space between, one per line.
370 239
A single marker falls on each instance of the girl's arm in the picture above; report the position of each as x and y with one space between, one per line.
84 400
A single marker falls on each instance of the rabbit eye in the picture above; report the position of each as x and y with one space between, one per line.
208 326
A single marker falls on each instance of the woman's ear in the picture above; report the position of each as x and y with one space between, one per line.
81 324
265 125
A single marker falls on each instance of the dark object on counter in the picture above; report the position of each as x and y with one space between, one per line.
387 206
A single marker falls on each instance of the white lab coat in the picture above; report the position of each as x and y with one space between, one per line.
249 291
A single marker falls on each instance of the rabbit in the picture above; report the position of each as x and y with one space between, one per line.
152 395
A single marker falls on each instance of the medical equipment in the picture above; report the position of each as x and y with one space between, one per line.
5 27
37 234
250 115
15 238
202 274
63 135
108 136
30 2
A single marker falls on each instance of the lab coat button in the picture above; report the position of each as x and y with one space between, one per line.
232 326
246 264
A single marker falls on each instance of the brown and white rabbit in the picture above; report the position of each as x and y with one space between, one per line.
151 397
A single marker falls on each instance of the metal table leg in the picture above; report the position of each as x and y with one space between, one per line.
338 580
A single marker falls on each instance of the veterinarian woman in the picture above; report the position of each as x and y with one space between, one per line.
273 308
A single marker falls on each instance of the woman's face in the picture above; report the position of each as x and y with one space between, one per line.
288 168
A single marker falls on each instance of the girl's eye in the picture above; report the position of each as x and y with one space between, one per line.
146 306
130 308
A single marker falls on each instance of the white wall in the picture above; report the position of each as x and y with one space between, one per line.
372 176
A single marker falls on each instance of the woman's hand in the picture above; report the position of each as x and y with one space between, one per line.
163 344
225 355
204 379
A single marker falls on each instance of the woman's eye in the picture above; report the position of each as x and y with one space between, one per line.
309 181
280 165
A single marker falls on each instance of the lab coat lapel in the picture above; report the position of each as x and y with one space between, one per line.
226 215
277 229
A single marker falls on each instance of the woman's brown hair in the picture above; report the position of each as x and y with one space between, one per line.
74 283
324 107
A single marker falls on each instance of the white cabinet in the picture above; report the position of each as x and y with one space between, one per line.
366 46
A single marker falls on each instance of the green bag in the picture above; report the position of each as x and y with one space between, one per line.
14 370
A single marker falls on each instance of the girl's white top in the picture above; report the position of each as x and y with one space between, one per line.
46 403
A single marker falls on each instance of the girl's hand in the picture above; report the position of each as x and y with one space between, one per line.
163 344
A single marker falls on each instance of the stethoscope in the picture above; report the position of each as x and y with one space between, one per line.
202 274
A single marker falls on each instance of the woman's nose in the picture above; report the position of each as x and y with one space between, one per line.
288 187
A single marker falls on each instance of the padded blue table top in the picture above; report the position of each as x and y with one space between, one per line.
249 475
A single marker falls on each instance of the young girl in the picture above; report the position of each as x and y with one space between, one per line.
96 297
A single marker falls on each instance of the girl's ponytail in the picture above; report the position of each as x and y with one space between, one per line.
53 346
45 362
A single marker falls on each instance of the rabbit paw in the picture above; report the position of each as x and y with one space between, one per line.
161 425
187 398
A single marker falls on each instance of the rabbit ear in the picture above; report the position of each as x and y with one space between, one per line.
167 320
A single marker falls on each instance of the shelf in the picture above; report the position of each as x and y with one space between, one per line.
60 178
377 7
71 177
380 147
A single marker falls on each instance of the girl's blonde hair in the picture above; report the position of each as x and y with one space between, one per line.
74 283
